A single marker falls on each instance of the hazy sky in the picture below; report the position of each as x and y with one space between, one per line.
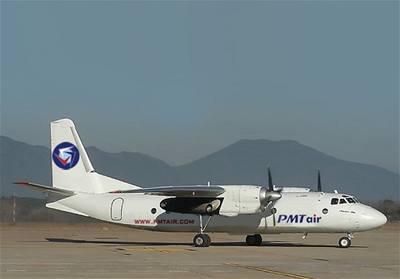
179 80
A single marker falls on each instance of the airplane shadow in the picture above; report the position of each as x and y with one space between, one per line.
216 244
114 242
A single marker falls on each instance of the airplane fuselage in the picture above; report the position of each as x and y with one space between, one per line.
301 212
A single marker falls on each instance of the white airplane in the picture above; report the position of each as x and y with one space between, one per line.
235 209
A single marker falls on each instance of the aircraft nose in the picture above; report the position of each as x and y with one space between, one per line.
373 218
381 219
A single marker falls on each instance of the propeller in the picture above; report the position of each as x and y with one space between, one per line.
270 184
319 185
269 196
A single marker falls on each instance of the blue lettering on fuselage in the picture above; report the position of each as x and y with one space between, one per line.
298 218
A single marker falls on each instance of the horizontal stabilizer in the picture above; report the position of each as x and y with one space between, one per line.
59 206
45 189
179 191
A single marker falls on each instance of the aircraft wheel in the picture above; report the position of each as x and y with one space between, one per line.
209 239
201 240
254 240
258 239
250 240
344 242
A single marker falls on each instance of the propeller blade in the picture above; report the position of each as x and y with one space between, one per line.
273 217
270 184
273 211
319 186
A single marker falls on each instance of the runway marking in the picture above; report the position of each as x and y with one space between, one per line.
266 270
157 250
324 260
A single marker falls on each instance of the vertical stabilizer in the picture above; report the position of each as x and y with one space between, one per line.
71 166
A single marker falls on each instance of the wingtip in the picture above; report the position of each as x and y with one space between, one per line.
21 182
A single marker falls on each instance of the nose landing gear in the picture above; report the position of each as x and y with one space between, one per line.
345 242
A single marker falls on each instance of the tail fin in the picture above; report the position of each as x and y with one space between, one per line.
71 166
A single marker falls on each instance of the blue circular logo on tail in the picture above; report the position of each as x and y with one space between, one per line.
65 155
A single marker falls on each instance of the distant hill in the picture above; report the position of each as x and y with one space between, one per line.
243 162
21 161
292 164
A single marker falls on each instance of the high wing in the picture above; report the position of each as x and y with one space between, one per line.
180 191
45 189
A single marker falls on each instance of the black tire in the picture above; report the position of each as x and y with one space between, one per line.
250 240
258 239
344 242
209 239
201 240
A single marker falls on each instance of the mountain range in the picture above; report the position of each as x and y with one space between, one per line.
244 162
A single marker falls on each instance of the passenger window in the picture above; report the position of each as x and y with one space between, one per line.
350 200
334 201
342 201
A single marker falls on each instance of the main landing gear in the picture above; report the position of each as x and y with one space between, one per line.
201 239
345 242
254 240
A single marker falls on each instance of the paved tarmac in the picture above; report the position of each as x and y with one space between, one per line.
108 251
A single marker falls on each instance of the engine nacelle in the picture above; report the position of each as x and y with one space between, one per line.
250 202
202 206
240 200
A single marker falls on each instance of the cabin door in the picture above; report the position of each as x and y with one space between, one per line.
116 209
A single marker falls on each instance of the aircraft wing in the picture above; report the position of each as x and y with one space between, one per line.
45 189
180 191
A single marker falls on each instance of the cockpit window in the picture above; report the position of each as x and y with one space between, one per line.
350 200
334 201
342 201
355 199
